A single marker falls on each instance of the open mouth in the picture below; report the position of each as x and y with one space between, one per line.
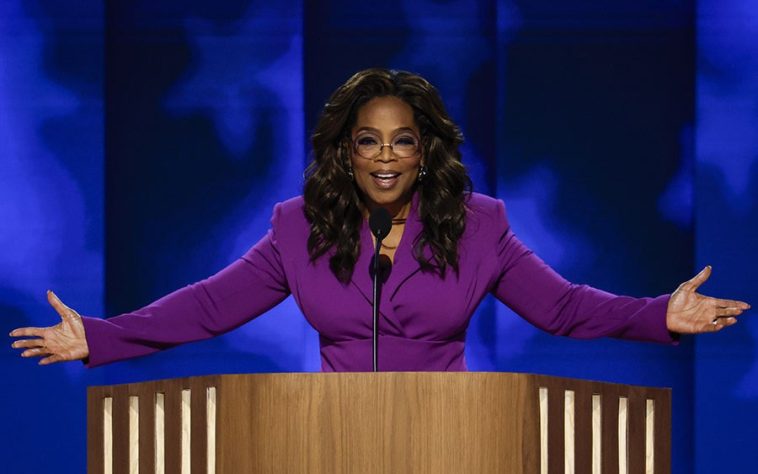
385 179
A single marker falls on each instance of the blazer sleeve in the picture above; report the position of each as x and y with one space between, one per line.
540 295
248 287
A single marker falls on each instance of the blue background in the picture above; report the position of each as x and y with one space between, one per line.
143 145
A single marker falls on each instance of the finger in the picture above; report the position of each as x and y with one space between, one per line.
28 332
729 303
725 312
728 320
35 352
720 323
694 283
64 311
51 360
23 343
714 326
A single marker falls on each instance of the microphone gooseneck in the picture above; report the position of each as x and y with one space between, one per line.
380 223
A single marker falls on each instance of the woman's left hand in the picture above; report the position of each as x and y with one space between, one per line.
692 313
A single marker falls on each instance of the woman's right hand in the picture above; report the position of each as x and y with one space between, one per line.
62 342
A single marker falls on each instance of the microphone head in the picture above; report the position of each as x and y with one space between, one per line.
380 223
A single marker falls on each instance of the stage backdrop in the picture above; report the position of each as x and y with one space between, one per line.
143 145
51 217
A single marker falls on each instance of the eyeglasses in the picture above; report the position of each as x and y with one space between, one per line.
369 146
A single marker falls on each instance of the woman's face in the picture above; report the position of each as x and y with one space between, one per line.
386 179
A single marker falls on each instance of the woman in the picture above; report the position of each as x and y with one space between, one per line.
383 140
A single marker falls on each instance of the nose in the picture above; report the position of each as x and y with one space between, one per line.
386 153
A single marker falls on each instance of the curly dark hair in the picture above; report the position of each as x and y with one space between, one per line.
332 200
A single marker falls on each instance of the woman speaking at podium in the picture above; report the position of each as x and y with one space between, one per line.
383 140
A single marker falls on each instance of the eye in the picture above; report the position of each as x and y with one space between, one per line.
366 140
405 140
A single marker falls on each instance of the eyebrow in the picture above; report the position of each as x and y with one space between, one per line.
397 130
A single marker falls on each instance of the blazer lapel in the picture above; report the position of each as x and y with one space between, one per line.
405 264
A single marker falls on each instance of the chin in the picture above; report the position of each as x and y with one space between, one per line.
388 199
397 195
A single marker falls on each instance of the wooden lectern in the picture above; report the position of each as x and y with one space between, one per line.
387 422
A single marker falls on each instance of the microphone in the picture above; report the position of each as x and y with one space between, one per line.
380 224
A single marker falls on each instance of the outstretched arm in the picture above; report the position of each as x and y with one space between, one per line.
243 290
537 293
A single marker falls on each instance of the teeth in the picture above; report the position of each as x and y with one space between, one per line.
385 176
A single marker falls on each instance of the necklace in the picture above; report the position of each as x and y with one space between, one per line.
398 221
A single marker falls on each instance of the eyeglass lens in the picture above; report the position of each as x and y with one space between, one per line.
369 146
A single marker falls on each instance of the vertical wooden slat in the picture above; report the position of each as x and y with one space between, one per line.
569 431
583 428
649 436
173 425
186 430
159 430
199 440
544 427
555 462
134 453
597 433
146 394
95 430
636 432
211 415
107 441
120 429
663 432
610 441
623 434
224 402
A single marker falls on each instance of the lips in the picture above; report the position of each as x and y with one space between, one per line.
385 179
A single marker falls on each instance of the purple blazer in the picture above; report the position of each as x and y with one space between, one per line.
423 317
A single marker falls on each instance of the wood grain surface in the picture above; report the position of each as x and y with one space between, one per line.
391 422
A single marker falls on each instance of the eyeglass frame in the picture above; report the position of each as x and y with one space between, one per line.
381 148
